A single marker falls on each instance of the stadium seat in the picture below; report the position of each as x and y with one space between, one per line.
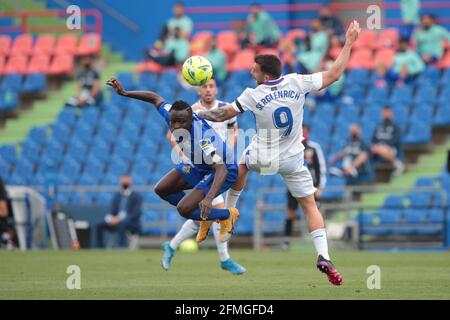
393 202
201 42
442 116
38 135
419 200
418 133
359 77
389 216
61 64
148 80
5 44
34 82
45 45
23 45
126 79
384 56
67 45
227 41
90 44
16 64
39 63
362 58
8 100
388 38
13 82
425 182
243 60
68 117
377 95
366 40
401 94
190 96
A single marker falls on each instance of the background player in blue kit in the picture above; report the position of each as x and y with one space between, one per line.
211 172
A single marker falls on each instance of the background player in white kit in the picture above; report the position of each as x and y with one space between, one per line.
228 131
277 103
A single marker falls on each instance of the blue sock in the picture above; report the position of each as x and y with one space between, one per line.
174 198
216 214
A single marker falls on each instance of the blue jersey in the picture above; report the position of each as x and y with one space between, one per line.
201 144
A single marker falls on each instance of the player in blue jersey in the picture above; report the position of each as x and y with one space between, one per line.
212 169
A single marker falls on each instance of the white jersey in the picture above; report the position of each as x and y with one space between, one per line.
220 127
278 109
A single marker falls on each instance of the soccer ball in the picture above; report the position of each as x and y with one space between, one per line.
189 245
197 70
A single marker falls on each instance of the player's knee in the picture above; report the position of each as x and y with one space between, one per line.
184 210
160 190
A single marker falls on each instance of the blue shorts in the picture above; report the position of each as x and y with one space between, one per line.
203 181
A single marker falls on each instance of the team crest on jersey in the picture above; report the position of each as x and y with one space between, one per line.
206 145
306 77
186 169
168 107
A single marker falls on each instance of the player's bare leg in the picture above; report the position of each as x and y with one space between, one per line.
316 227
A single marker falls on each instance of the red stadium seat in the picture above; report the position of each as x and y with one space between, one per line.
67 44
5 45
361 59
90 44
228 42
23 45
61 64
45 44
294 34
385 56
243 60
445 61
366 40
388 38
149 66
2 64
16 64
39 63
201 42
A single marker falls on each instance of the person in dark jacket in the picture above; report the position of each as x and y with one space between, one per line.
125 214
386 141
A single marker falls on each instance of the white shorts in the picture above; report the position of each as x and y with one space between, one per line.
218 200
295 174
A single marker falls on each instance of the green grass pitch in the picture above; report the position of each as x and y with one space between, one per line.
271 275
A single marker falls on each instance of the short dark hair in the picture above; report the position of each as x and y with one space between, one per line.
270 64
181 105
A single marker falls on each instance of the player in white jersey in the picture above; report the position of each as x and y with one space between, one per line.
277 104
207 101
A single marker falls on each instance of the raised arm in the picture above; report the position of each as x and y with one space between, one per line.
147 96
341 62
219 114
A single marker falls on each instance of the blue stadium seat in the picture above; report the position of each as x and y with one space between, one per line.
68 117
126 79
425 182
9 100
107 132
419 133
334 189
190 96
436 216
148 81
389 216
442 115
377 95
104 198
35 82
12 82
38 135
131 132
357 77
419 199
124 150
8 153
425 95
112 115
24 167
430 76
100 150
87 179
422 113
110 179
393 202
90 115
401 95
77 149
415 216
118 166
31 151
61 133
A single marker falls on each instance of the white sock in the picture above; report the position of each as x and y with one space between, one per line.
232 198
188 229
222 247
319 237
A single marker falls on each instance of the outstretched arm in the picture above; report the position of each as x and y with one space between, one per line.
341 62
219 114
147 96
